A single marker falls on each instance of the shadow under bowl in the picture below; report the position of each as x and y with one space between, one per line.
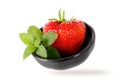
74 60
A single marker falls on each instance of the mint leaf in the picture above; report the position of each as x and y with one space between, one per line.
49 38
37 42
29 50
53 53
33 30
26 38
41 51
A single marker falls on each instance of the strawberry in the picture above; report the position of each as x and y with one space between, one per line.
71 34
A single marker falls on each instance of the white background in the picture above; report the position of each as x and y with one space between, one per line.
102 15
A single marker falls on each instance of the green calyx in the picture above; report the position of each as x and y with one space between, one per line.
61 16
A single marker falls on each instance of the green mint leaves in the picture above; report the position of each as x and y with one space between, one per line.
39 43
33 30
28 51
27 38
53 53
41 51
49 38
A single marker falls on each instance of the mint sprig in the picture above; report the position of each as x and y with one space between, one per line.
39 43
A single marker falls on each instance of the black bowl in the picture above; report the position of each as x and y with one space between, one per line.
74 60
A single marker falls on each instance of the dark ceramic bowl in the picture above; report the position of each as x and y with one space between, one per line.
74 60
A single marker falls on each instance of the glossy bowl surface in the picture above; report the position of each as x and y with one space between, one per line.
74 60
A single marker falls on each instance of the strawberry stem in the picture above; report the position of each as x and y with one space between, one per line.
61 15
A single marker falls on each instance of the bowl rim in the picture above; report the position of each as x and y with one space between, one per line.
72 56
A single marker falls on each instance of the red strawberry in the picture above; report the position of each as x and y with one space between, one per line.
71 34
